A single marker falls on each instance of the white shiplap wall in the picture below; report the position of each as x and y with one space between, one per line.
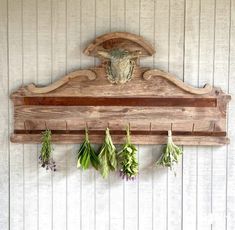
41 40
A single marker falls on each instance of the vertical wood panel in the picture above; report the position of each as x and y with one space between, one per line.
88 177
29 24
4 118
59 68
161 60
145 187
176 59
15 80
189 193
117 16
231 148
74 50
132 24
117 205
44 39
221 53
73 190
102 195
206 59
147 26
145 152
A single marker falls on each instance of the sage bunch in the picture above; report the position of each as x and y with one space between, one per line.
171 153
87 155
107 156
45 158
127 159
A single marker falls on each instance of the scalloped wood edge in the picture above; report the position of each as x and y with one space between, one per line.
190 89
40 90
124 35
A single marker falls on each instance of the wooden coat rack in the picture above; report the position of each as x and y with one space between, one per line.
152 103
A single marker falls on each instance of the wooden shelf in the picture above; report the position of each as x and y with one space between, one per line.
119 139
152 103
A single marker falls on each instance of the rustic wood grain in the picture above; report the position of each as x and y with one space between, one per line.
156 73
40 90
114 101
120 39
119 139
86 96
117 113
206 28
81 86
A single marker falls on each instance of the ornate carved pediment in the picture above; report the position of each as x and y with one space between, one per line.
151 101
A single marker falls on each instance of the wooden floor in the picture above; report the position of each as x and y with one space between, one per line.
42 40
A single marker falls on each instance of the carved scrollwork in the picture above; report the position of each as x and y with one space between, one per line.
187 88
40 90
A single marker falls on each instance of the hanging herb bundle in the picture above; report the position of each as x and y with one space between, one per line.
107 156
127 159
87 155
171 153
45 158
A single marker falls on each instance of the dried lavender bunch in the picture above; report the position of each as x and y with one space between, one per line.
45 158
170 154
107 156
87 155
127 159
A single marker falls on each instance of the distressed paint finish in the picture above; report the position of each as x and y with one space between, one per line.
40 39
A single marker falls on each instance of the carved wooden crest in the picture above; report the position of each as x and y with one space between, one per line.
151 101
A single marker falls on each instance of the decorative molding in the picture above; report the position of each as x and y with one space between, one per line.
151 102
78 73
159 73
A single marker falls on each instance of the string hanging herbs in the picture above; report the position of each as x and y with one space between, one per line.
127 159
107 156
171 153
87 155
45 158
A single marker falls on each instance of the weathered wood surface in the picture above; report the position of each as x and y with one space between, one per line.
201 196
84 83
153 96
124 40
119 139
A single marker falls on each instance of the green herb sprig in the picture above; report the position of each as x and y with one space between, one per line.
127 159
45 158
87 155
107 156
171 153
